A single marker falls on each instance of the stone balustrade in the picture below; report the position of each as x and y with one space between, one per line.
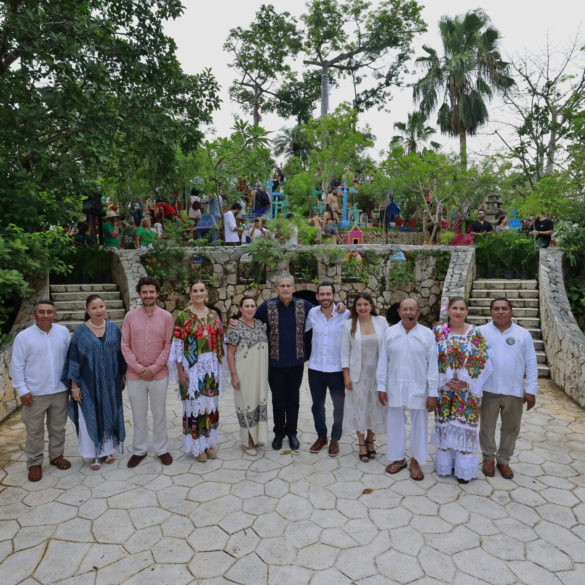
564 341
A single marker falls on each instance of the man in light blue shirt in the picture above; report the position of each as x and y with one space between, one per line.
38 355
512 355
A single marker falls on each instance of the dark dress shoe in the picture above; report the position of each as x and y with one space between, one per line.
318 445
489 468
35 473
277 442
293 442
333 448
60 462
166 458
135 460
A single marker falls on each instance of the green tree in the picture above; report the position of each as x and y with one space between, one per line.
353 36
244 154
469 72
293 142
84 86
542 106
414 133
259 55
341 156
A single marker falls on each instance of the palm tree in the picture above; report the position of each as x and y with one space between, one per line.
414 132
469 71
293 142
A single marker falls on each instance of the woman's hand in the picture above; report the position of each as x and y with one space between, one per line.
76 394
235 382
457 385
183 379
123 382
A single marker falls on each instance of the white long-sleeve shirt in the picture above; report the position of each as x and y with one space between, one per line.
408 368
326 342
37 360
230 226
512 355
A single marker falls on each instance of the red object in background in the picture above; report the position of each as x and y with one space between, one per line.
399 222
411 223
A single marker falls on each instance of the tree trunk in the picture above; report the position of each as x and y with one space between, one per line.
256 108
552 145
324 103
463 149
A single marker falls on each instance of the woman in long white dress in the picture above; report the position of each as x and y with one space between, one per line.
362 335
247 354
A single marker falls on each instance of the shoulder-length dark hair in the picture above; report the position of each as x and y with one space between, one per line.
353 311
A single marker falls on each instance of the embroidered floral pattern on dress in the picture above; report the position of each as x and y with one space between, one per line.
272 312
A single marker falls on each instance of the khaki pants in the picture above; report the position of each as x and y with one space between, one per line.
54 406
140 393
509 408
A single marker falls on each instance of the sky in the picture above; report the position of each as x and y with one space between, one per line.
526 26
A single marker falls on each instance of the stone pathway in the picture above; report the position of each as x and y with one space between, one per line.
294 519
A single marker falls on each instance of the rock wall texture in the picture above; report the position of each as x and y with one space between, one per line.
127 269
225 267
460 276
564 342
8 400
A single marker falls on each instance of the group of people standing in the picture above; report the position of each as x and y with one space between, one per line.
376 375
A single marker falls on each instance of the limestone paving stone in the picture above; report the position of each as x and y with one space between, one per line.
242 543
143 540
557 514
398 566
5 549
30 536
60 561
113 527
145 517
124 569
288 575
210 564
21 564
101 555
303 533
276 551
76 530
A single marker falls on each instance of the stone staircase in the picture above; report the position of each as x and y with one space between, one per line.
524 297
69 301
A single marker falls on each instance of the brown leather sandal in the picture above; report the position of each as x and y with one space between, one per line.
396 466
416 472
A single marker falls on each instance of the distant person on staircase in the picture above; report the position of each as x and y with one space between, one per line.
512 355
147 334
38 355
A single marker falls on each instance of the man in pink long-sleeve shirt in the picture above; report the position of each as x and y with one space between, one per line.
146 342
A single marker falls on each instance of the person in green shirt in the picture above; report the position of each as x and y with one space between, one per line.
144 235
111 230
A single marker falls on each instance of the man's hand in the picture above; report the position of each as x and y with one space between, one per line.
232 323
530 400
347 382
146 374
431 404
383 398
340 307
27 399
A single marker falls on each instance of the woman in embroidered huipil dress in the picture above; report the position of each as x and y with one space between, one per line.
247 353
195 362
464 367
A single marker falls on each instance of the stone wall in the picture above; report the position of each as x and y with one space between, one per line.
460 276
8 399
127 269
564 341
222 266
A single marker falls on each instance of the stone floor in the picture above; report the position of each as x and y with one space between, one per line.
284 518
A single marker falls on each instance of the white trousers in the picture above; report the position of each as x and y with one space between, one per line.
140 392
396 434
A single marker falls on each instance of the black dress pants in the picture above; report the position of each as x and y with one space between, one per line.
285 384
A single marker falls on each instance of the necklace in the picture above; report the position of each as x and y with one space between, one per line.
96 326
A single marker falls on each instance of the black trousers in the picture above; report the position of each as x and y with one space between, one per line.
285 384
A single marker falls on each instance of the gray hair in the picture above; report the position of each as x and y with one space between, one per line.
285 276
